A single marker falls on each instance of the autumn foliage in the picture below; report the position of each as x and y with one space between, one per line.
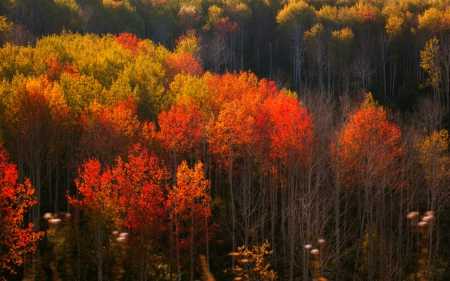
132 138
182 63
292 136
55 69
142 182
134 196
105 128
130 42
368 145
16 240
99 196
181 130
188 205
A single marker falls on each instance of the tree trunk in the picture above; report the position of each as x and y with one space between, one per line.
99 251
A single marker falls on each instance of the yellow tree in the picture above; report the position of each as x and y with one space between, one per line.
189 206
435 58
316 45
434 158
430 63
341 53
254 263
433 153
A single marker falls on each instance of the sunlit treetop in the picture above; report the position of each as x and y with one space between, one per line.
296 17
368 143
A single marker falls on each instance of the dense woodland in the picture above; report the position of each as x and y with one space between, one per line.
309 138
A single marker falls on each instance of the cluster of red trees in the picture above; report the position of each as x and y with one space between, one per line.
134 196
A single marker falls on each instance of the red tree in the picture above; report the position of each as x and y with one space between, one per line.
291 135
289 129
128 196
181 132
142 182
15 198
98 199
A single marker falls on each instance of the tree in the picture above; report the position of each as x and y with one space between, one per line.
127 196
342 54
80 91
98 198
5 27
37 119
142 182
239 146
241 14
182 63
148 78
162 21
130 42
230 87
430 63
187 89
189 205
434 158
188 17
315 41
367 151
292 147
369 141
295 18
220 53
435 161
16 240
435 58
398 21
189 43
55 69
228 136
121 16
181 133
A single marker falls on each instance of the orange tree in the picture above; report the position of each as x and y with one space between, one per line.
367 151
106 132
368 144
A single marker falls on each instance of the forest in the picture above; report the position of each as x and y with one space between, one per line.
224 140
